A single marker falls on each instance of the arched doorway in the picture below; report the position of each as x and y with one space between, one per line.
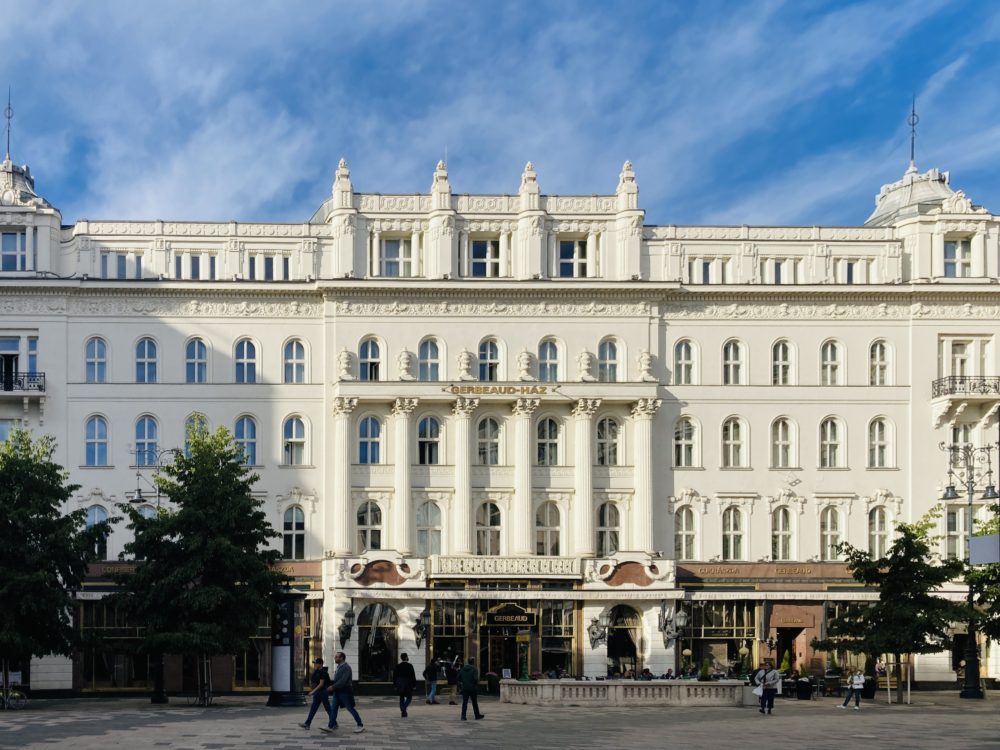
624 641
378 643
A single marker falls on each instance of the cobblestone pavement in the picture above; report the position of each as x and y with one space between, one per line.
936 720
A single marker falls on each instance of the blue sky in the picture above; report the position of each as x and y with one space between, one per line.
732 112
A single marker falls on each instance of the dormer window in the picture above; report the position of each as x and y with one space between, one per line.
957 259
485 259
396 258
13 252
572 259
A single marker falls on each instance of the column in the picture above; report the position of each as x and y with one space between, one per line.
642 506
402 408
504 254
465 259
584 542
417 268
591 254
339 522
130 264
978 247
937 255
519 524
462 525
373 258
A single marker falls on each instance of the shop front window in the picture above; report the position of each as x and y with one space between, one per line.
378 643
624 642
557 638
110 658
716 631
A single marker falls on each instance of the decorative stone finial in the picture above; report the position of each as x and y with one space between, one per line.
342 188
529 190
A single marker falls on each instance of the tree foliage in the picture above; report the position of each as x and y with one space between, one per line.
44 550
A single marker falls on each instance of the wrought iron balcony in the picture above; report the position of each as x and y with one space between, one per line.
967 385
22 382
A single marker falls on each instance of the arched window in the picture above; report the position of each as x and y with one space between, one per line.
145 441
829 444
683 363
733 448
369 358
607 361
95 515
732 534
782 449
548 442
369 526
293 432
96 353
488 529
781 535
489 361
878 363
246 361
294 357
246 439
547 529
195 362
370 441
194 424
97 442
732 363
684 534
878 532
548 361
685 454
294 535
608 432
145 361
878 444
428 530
830 364
378 643
781 363
429 361
428 442
608 529
625 641
829 533
488 442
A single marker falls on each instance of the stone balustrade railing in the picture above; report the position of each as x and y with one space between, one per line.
622 693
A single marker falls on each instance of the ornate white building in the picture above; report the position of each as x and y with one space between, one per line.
485 420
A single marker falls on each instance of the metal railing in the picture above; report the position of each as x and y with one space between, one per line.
966 385
22 381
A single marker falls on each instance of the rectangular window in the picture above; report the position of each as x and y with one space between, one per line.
195 267
211 267
178 266
286 267
485 259
120 266
777 271
104 265
6 425
253 267
957 259
724 270
32 354
268 268
12 252
397 259
572 259
849 272
706 272
138 266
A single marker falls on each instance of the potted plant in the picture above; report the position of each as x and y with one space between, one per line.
705 674
786 663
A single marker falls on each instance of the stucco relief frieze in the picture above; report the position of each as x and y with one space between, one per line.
192 308
843 234
488 226
501 309
488 204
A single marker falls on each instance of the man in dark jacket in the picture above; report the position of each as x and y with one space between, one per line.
342 688
431 678
320 681
468 681
404 678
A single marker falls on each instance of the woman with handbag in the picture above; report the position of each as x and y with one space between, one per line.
404 679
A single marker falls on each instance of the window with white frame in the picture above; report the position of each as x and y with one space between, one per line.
957 259
782 448
608 529
958 521
488 442
294 436
96 442
829 534
488 527
830 364
732 363
195 362
608 433
485 260
294 356
547 442
781 535
428 441
781 363
246 361
961 434
428 361
685 453
294 534
683 363
548 361
96 515
878 532
369 526
428 529
684 534
732 534
145 361
13 251
878 363
96 354
572 259
733 448
245 431
878 444
146 441
369 358
489 361
547 529
830 453
396 259
607 361
370 441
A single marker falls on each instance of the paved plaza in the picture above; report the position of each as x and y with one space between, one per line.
936 720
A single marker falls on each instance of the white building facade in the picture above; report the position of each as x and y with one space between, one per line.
528 428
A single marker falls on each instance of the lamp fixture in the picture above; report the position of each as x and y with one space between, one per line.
346 626
598 629
950 493
421 626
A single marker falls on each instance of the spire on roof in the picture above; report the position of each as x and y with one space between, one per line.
912 121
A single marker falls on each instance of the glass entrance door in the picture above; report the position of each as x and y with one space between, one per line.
498 651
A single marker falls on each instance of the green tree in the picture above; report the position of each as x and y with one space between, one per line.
786 662
44 551
908 618
204 573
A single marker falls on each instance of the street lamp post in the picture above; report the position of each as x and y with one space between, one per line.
964 460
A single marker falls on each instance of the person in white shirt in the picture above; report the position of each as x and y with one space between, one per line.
768 679
855 684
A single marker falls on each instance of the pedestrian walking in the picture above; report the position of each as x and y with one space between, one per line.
431 672
320 681
342 688
404 678
468 680
855 684
451 675
768 679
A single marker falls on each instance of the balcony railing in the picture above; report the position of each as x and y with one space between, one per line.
22 381
967 385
